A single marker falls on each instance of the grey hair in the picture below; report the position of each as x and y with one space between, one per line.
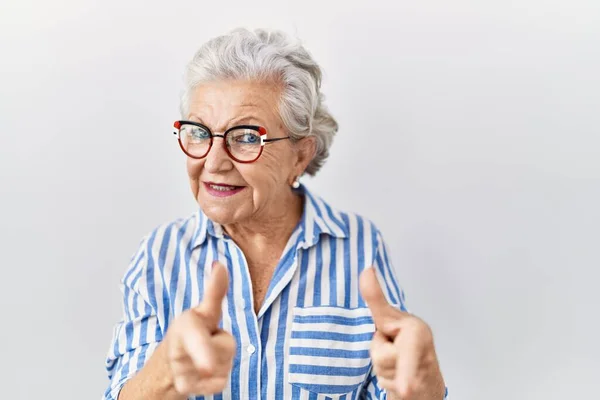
270 56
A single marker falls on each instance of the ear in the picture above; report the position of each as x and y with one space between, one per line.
306 148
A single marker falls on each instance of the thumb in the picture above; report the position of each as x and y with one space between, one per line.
215 291
374 297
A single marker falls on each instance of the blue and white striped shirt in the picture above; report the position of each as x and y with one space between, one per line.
311 336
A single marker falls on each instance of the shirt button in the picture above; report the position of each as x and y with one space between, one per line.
250 349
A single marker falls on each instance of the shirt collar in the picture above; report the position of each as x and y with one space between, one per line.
318 218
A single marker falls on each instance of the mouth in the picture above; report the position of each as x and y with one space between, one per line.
222 189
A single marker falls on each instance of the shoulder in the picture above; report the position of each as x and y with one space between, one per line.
176 232
351 228
353 224
161 243
359 225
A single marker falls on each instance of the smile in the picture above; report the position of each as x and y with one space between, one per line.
222 190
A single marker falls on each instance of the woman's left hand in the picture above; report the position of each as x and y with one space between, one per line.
402 349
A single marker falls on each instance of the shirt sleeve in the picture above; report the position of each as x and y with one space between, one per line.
372 391
395 296
137 334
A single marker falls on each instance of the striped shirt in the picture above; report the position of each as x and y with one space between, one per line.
311 336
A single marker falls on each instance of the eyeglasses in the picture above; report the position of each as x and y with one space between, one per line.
243 143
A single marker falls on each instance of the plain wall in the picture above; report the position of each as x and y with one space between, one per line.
469 133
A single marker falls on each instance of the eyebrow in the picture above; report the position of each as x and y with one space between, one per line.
236 121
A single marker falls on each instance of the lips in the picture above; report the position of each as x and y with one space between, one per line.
222 189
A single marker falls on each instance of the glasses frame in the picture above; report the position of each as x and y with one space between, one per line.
261 131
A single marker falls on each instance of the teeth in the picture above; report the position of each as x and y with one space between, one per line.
221 188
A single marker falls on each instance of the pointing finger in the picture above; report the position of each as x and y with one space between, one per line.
373 296
214 293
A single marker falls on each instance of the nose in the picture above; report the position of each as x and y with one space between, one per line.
217 159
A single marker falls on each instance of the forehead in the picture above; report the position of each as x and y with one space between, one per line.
219 102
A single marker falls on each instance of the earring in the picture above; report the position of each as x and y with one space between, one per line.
296 183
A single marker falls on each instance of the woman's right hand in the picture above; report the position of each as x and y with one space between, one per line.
199 354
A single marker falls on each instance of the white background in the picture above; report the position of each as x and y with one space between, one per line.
469 134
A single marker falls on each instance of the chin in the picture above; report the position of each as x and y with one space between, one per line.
219 214
223 211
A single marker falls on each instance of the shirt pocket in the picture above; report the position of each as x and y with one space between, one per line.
329 349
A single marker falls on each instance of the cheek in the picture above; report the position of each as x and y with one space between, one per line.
194 167
279 165
266 179
266 175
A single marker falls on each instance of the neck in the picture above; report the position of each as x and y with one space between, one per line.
273 229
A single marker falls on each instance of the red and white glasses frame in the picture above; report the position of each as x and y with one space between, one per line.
242 143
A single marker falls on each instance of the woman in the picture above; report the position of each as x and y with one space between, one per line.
257 294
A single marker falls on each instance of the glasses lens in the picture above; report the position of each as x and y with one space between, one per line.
244 144
195 139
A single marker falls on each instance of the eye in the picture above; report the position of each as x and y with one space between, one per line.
197 133
249 138
244 137
193 133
